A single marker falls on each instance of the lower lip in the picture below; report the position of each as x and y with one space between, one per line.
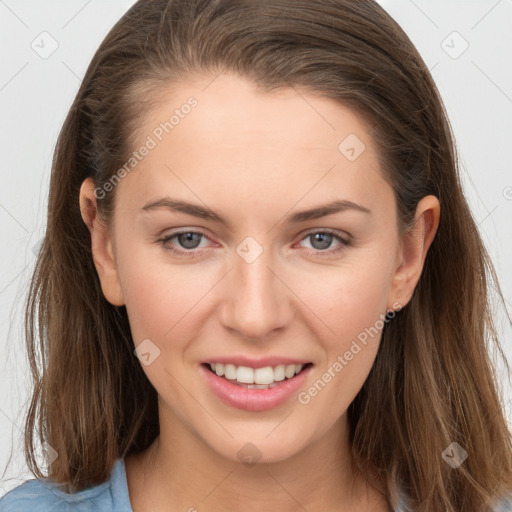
253 399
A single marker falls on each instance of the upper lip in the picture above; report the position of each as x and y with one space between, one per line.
256 363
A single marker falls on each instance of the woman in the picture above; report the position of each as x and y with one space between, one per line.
261 286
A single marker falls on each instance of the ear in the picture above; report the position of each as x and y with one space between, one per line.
101 245
415 243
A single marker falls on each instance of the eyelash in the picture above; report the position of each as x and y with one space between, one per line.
345 242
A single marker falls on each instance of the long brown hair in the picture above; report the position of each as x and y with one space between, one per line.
433 381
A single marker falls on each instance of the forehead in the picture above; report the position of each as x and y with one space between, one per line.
231 109
239 140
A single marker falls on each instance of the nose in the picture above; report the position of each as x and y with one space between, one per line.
256 300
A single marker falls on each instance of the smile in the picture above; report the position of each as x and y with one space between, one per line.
256 378
252 396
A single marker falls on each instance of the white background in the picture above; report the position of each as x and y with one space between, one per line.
35 94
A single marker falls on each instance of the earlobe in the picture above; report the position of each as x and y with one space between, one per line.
415 245
101 245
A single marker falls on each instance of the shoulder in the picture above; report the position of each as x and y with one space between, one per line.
42 495
502 505
33 495
22 497
505 504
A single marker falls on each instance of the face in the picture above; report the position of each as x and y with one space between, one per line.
251 278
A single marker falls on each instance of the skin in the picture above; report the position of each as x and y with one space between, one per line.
254 158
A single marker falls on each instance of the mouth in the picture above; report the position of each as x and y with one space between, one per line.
267 377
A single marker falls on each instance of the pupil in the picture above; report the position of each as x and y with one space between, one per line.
187 240
324 239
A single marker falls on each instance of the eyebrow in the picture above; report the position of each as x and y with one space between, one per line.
202 212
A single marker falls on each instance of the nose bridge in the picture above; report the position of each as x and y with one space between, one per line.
255 302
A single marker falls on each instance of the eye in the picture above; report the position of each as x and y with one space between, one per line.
187 240
321 240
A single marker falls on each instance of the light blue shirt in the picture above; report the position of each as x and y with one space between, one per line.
37 495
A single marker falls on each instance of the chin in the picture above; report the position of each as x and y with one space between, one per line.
252 451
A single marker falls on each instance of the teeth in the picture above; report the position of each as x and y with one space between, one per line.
279 373
264 375
257 386
245 375
260 378
289 371
230 371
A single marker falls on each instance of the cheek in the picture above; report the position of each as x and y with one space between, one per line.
164 301
347 299
352 306
151 295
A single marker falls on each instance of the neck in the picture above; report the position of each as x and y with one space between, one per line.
179 472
